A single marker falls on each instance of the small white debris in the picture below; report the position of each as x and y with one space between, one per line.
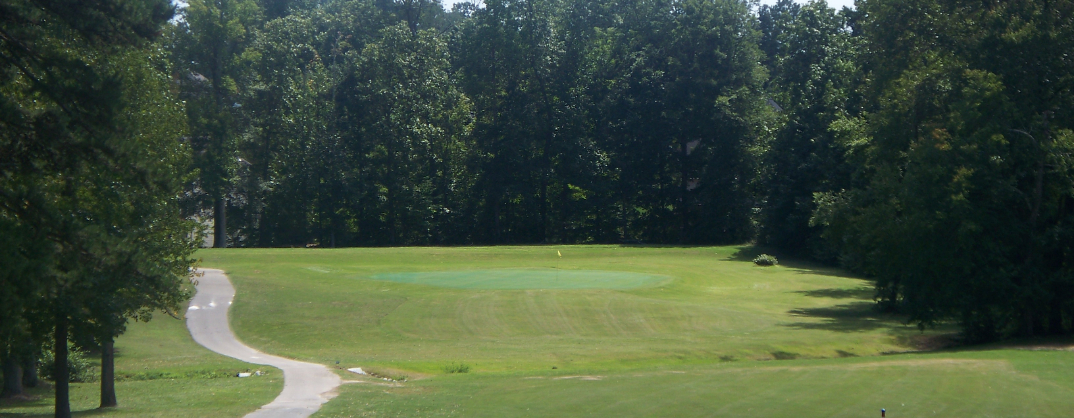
357 370
194 308
212 304
245 374
257 373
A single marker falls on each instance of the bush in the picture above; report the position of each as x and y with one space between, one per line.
457 368
82 369
765 260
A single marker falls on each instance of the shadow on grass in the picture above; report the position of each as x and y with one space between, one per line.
748 253
42 399
37 399
861 293
850 317
86 413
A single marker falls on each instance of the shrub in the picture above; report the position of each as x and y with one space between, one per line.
82 369
457 368
765 260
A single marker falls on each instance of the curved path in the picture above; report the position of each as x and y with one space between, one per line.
306 385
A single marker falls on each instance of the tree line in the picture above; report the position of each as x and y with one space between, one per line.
92 173
924 143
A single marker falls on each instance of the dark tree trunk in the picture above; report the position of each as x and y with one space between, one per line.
62 373
497 232
543 233
683 181
108 373
29 370
12 377
220 223
1055 316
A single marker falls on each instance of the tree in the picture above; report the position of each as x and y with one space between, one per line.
65 157
679 90
508 56
208 43
138 268
965 162
815 81
408 129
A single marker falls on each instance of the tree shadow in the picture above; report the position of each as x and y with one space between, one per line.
748 253
42 396
11 408
849 317
860 293
86 413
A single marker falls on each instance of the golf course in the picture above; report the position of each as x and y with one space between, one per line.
571 331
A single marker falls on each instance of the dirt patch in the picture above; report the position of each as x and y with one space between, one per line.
373 382
1044 344
991 364
932 342
381 373
579 377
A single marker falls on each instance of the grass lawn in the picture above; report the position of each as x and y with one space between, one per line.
162 372
599 331
685 332
398 308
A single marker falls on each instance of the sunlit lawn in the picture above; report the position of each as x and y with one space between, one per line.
573 331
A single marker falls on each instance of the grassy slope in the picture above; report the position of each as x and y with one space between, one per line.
682 349
163 373
679 349
319 305
1008 383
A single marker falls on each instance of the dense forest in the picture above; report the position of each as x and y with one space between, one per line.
927 144
924 143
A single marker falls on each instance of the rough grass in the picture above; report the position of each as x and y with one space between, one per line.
1008 383
162 372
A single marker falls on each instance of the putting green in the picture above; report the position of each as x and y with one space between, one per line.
523 278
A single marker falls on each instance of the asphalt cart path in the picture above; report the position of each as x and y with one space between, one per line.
306 386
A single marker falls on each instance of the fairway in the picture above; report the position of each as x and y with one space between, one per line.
622 331
536 278
627 331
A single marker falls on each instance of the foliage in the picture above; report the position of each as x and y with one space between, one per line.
82 369
813 61
409 134
89 174
924 143
962 207
765 260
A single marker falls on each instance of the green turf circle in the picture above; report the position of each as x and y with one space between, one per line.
526 278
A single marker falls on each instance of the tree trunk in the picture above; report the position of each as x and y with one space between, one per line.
1055 315
12 377
543 234
682 192
29 369
108 373
62 373
220 223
